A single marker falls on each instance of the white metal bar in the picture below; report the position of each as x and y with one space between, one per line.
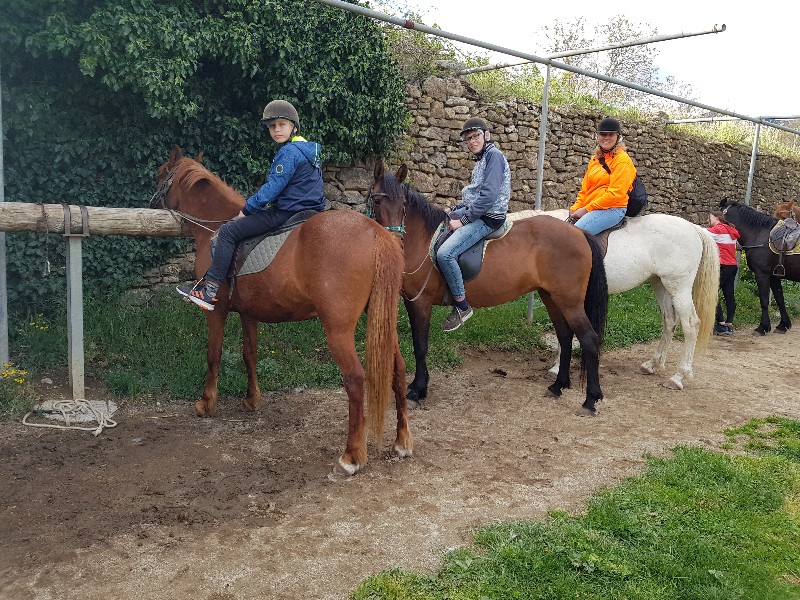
75 317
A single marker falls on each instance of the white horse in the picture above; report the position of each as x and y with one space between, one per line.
681 262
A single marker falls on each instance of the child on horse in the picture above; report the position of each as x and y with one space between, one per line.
294 184
483 208
603 199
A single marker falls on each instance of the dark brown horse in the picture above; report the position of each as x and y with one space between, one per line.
334 266
540 253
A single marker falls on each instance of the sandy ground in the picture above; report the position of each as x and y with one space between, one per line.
167 505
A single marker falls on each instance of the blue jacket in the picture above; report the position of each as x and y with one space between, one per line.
294 182
487 195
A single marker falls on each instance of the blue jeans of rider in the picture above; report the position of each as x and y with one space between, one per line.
447 256
596 221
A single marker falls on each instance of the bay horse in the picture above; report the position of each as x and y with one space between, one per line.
334 266
680 260
557 259
754 229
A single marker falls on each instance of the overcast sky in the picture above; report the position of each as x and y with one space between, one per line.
751 68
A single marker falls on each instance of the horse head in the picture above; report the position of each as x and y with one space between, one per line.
784 211
186 186
386 202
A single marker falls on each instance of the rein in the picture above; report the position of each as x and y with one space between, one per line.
159 200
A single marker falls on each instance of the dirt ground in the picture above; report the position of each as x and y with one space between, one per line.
167 505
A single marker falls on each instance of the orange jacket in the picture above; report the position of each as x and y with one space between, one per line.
600 190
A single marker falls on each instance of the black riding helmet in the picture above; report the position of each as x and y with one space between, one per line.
474 123
608 125
280 109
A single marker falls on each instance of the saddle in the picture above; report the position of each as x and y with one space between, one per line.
256 253
602 237
471 260
784 239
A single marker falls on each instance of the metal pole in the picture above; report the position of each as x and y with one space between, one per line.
4 357
753 155
75 317
639 42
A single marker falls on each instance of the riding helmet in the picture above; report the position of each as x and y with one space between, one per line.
608 125
280 109
474 123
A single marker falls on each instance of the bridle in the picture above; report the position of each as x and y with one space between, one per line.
159 200
398 230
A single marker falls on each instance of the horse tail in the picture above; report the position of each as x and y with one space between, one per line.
596 302
705 289
382 340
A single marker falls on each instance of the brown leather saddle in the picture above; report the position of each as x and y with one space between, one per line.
471 260
784 239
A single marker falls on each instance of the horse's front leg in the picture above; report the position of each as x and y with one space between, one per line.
206 406
419 316
250 355
776 286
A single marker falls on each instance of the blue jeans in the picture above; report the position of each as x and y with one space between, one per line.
596 221
233 232
460 240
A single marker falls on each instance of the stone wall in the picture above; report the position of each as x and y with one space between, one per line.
685 176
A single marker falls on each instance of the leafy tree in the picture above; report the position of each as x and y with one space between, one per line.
95 94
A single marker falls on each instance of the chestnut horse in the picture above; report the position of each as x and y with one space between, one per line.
540 253
782 211
334 266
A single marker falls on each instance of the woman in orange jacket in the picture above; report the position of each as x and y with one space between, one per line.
603 199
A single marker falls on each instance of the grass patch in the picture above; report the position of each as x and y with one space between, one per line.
700 524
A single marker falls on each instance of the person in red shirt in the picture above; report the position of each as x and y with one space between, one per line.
725 235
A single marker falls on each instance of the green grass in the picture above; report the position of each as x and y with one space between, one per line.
156 348
698 525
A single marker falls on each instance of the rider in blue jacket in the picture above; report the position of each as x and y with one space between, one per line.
294 185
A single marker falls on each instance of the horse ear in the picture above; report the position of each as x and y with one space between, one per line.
199 157
402 173
379 170
175 155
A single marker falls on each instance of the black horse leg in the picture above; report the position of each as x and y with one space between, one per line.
564 336
762 281
419 316
776 286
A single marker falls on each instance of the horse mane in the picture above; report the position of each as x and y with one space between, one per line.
195 173
431 215
751 216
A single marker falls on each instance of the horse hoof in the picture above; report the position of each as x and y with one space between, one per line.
552 392
344 468
647 369
673 384
402 451
412 404
759 331
250 405
553 372
586 412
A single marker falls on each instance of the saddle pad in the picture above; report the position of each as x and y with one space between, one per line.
441 234
263 254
